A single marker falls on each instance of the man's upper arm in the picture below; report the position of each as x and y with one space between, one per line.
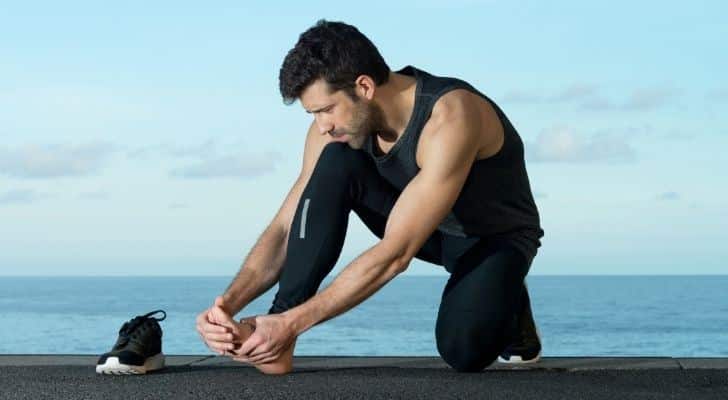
423 204
313 146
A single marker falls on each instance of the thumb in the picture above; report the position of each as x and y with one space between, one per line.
220 302
221 317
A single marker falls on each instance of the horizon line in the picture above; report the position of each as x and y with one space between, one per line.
232 275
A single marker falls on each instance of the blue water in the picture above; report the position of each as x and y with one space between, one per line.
577 315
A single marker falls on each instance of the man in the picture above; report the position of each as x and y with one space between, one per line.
432 167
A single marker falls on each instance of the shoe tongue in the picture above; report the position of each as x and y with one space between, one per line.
131 325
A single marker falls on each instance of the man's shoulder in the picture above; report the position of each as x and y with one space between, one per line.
454 104
459 107
454 118
460 111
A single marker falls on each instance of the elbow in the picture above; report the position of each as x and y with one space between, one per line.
401 263
394 257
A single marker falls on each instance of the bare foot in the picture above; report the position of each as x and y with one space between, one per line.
242 331
282 365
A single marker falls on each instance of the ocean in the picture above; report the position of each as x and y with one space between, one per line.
678 316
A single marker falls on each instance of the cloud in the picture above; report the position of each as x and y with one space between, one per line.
204 150
646 129
97 195
570 93
642 99
576 92
178 205
522 96
669 196
589 98
561 144
597 104
638 129
54 160
649 98
235 165
20 196
208 163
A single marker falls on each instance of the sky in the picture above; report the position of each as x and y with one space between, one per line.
149 138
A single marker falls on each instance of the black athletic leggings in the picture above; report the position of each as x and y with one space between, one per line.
485 289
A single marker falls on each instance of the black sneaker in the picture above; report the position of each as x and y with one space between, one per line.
526 345
138 349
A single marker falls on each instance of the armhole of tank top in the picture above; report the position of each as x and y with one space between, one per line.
441 92
427 111
471 89
507 139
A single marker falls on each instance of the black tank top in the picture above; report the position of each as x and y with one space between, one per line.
496 200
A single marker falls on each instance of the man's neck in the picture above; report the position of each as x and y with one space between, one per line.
396 99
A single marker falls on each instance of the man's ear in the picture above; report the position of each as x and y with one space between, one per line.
365 86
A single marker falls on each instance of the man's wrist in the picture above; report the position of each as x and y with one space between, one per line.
297 319
231 299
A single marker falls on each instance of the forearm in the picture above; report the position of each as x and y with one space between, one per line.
359 280
260 270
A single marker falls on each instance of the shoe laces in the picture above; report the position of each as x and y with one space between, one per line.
128 329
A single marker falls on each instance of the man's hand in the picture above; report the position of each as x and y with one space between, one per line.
217 328
272 336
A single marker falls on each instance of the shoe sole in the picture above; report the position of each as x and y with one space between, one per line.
518 360
112 366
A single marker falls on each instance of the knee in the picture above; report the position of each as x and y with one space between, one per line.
466 348
339 159
465 359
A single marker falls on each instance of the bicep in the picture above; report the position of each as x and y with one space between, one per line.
430 195
420 208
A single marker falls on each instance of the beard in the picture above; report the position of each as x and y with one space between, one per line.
367 119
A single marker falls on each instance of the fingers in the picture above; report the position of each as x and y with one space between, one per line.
217 338
212 328
221 348
220 317
211 332
261 351
219 343
205 328
217 346
260 358
263 359
267 360
221 337
253 341
206 321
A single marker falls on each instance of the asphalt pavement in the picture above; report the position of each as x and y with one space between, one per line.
213 377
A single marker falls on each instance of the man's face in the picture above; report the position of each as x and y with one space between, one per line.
340 116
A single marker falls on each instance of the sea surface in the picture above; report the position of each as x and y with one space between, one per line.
679 316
